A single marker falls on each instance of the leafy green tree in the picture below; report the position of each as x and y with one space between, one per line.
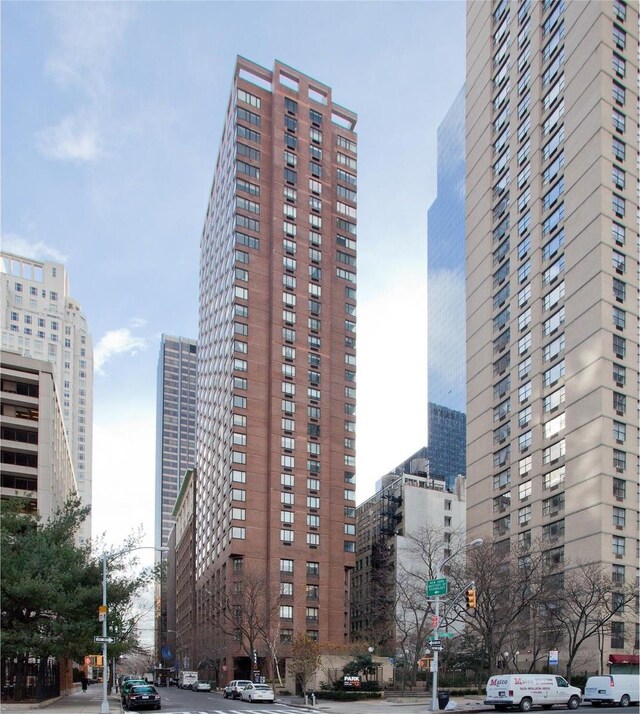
51 588
360 664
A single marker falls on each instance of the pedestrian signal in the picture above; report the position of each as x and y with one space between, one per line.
471 599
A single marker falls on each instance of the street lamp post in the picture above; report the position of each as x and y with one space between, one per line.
104 705
434 661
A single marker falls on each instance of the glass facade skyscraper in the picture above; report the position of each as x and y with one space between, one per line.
446 267
446 450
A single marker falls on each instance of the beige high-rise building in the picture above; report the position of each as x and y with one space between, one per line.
40 319
552 282
36 461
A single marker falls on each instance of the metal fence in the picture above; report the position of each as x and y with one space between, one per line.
29 679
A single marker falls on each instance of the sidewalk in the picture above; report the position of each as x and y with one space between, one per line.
77 703
399 705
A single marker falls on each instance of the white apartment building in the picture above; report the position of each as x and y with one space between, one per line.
40 319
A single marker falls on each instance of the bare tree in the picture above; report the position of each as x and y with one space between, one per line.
238 608
586 605
270 634
419 559
510 588
305 660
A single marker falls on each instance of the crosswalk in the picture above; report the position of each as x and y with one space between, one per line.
274 709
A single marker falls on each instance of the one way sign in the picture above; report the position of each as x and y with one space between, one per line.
108 640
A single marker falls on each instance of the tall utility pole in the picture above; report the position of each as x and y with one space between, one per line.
438 589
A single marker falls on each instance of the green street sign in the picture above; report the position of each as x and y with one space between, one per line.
436 587
445 635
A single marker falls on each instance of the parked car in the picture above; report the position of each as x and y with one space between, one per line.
258 693
124 688
201 686
235 687
142 696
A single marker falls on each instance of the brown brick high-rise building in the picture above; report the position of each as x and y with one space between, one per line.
275 503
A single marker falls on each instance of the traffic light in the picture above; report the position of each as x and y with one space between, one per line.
424 663
471 598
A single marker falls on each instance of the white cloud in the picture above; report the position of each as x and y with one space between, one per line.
89 37
75 138
13 243
116 342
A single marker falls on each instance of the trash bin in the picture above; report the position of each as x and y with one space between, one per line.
443 699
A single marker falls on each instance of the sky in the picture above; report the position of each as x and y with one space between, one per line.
112 114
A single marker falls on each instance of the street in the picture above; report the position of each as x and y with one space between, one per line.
180 701
184 701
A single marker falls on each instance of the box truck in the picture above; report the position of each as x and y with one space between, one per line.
187 679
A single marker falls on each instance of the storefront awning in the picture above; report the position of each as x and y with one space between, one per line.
624 659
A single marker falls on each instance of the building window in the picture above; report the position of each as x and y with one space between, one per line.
524 440
286 535
553 505
524 515
554 452
618 64
618 205
618 545
286 612
524 490
619 374
286 635
619 431
617 233
619 403
524 465
617 635
618 262
501 480
619 346
619 460
619 488
617 574
524 416
524 392
619 289
619 517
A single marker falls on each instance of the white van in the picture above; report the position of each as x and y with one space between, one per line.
529 690
619 689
